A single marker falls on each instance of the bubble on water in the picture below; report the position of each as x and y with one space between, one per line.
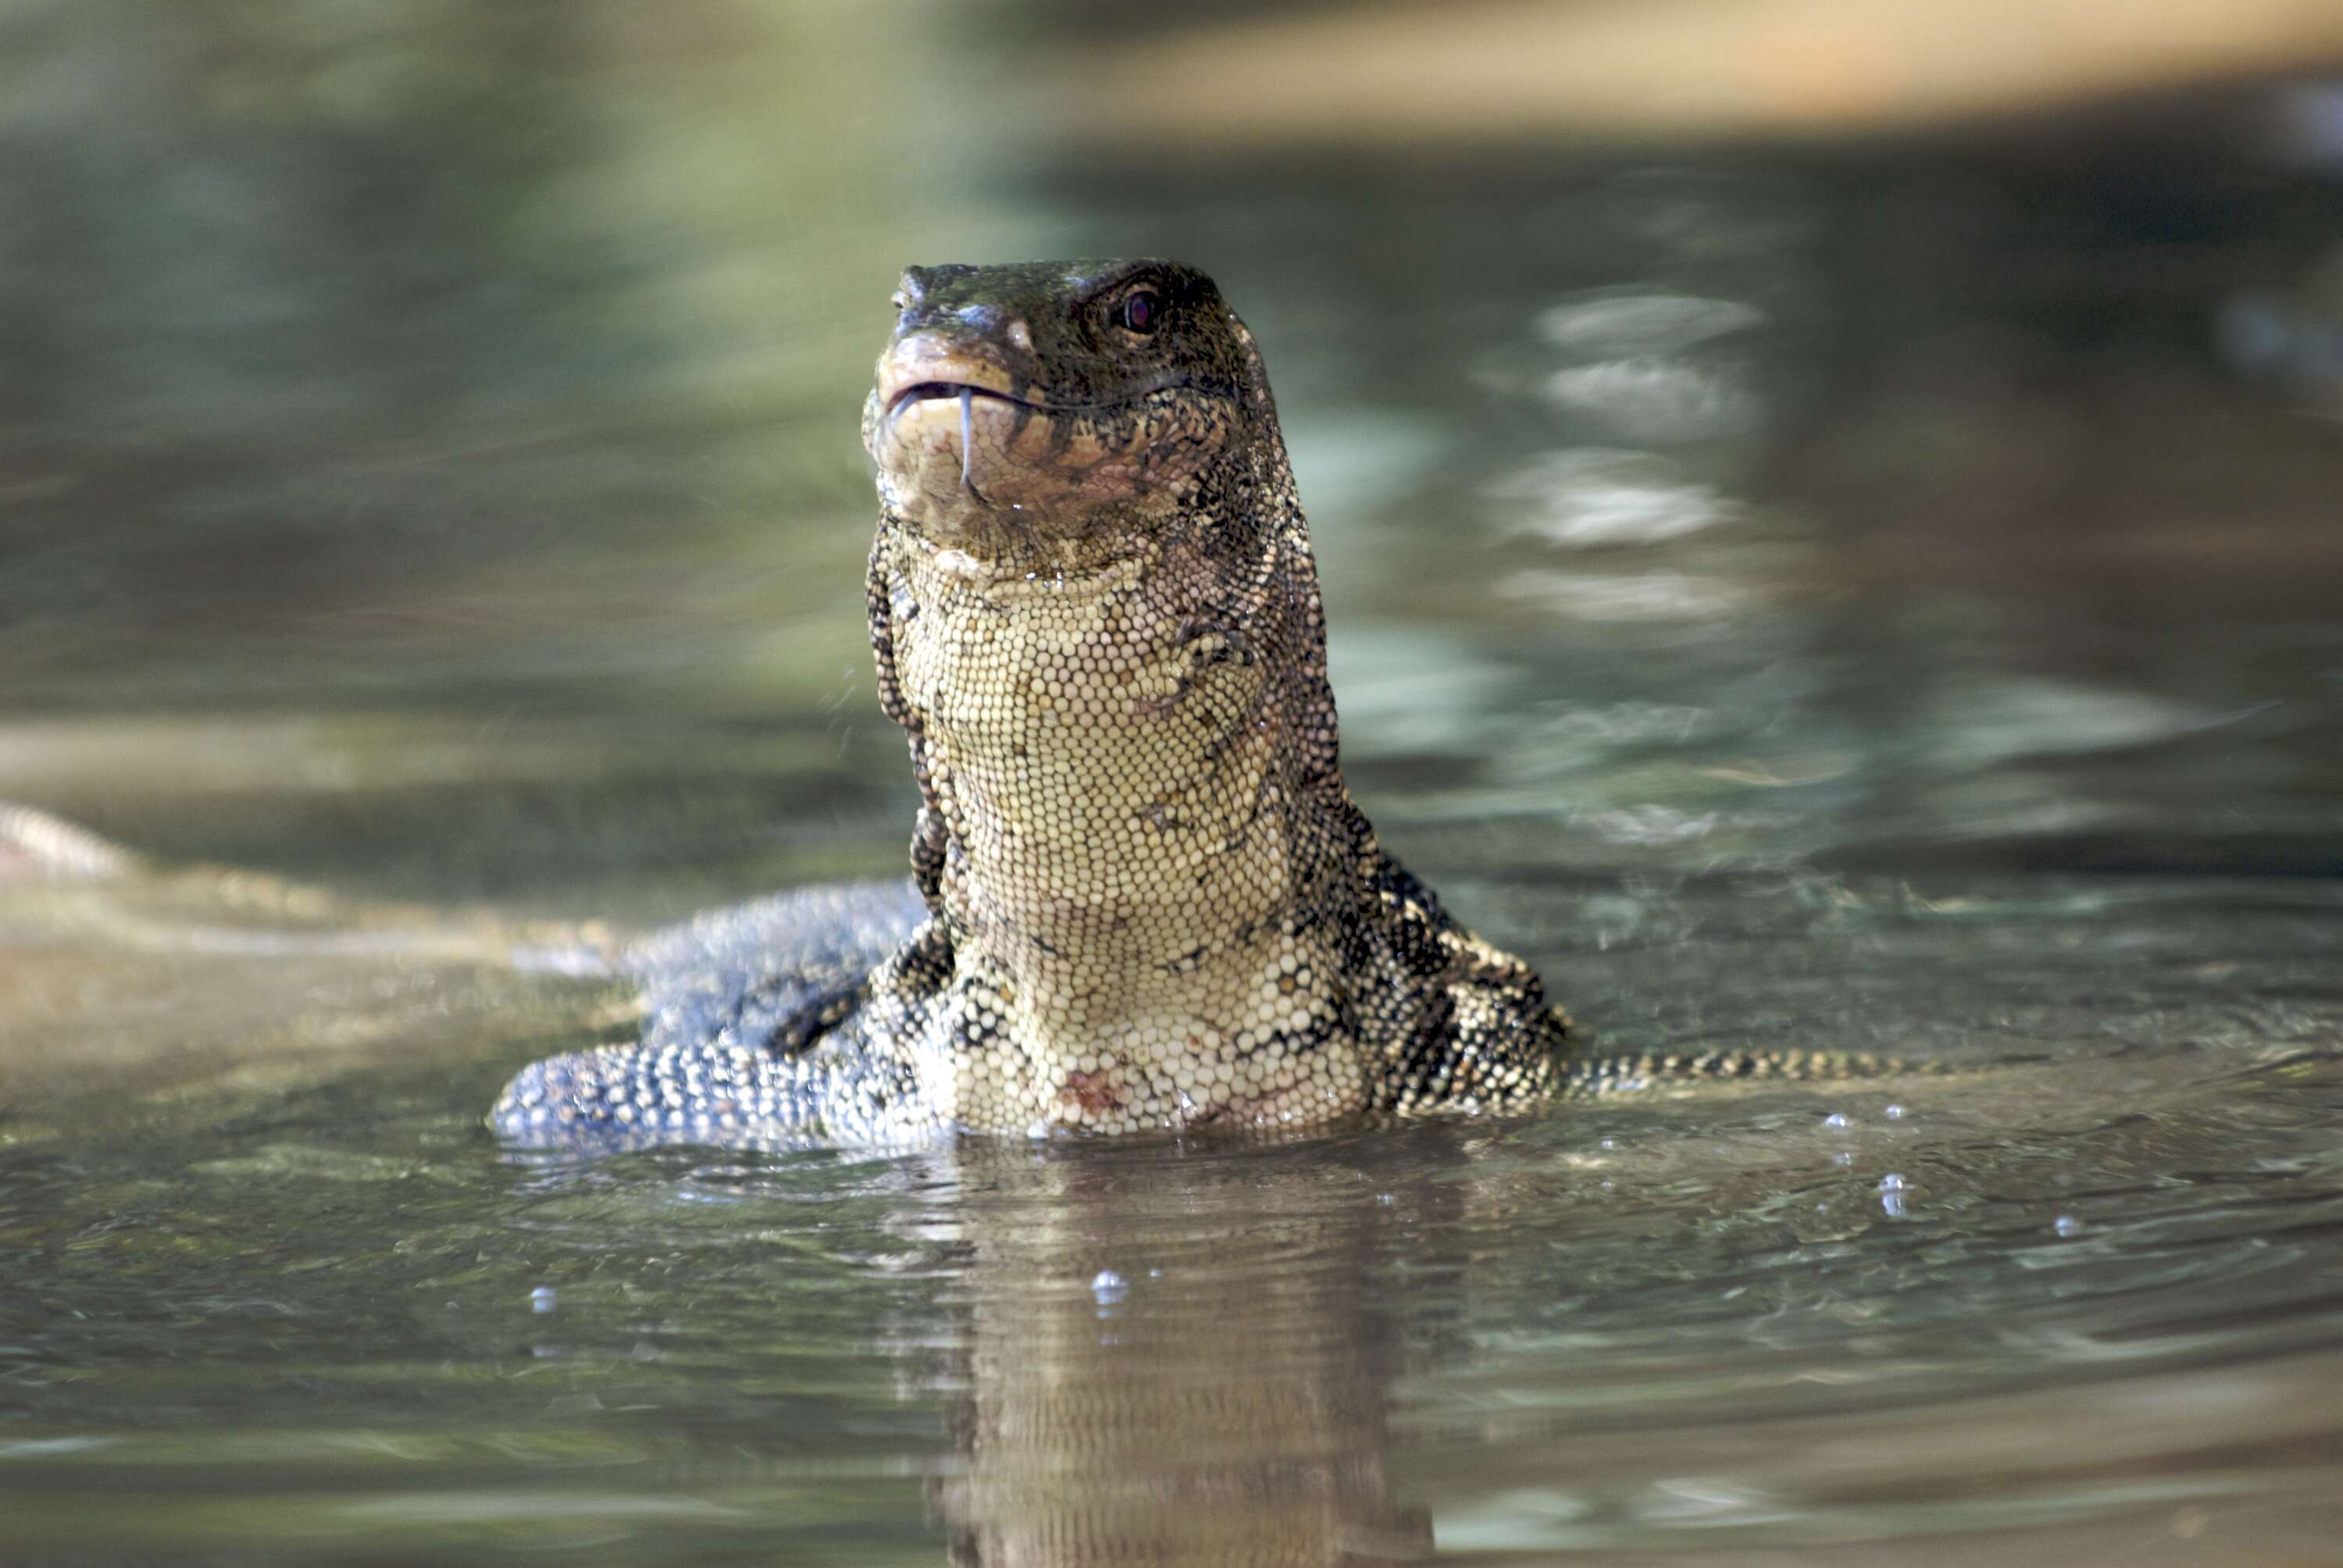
1843 1157
1607 1143
1836 1119
543 1299
1892 1188
2068 1225
1894 1113
1108 1287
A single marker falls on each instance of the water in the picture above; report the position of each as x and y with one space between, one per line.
1841 598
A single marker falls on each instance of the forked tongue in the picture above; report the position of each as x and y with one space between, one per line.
967 429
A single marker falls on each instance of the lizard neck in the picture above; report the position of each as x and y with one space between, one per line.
1113 774
1134 831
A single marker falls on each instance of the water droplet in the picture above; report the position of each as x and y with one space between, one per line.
1843 1157
2068 1225
1891 1183
1108 1287
1894 1113
543 1299
1836 1119
1607 1143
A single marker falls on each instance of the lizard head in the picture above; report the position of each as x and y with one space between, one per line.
1020 410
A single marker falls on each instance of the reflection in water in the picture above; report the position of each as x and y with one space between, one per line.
1175 1360
1597 495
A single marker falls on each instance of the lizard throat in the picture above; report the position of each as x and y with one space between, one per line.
1116 785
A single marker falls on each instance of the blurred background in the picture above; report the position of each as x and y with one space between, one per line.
1736 430
1829 518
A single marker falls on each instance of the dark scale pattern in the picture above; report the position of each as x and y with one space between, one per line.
733 1049
1148 899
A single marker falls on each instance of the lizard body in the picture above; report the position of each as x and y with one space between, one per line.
1145 899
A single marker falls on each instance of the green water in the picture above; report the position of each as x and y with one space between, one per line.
1837 597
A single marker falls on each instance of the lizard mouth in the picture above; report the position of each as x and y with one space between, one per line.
925 368
918 374
1005 414
963 443
918 391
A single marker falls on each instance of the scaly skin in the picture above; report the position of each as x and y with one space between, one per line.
1145 897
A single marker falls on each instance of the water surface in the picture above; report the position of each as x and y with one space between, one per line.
1852 599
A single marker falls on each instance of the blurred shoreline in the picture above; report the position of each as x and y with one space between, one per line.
1613 74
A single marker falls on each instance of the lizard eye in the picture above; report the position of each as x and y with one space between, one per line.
899 300
1139 311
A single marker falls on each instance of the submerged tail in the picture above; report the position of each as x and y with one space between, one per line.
1585 1076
